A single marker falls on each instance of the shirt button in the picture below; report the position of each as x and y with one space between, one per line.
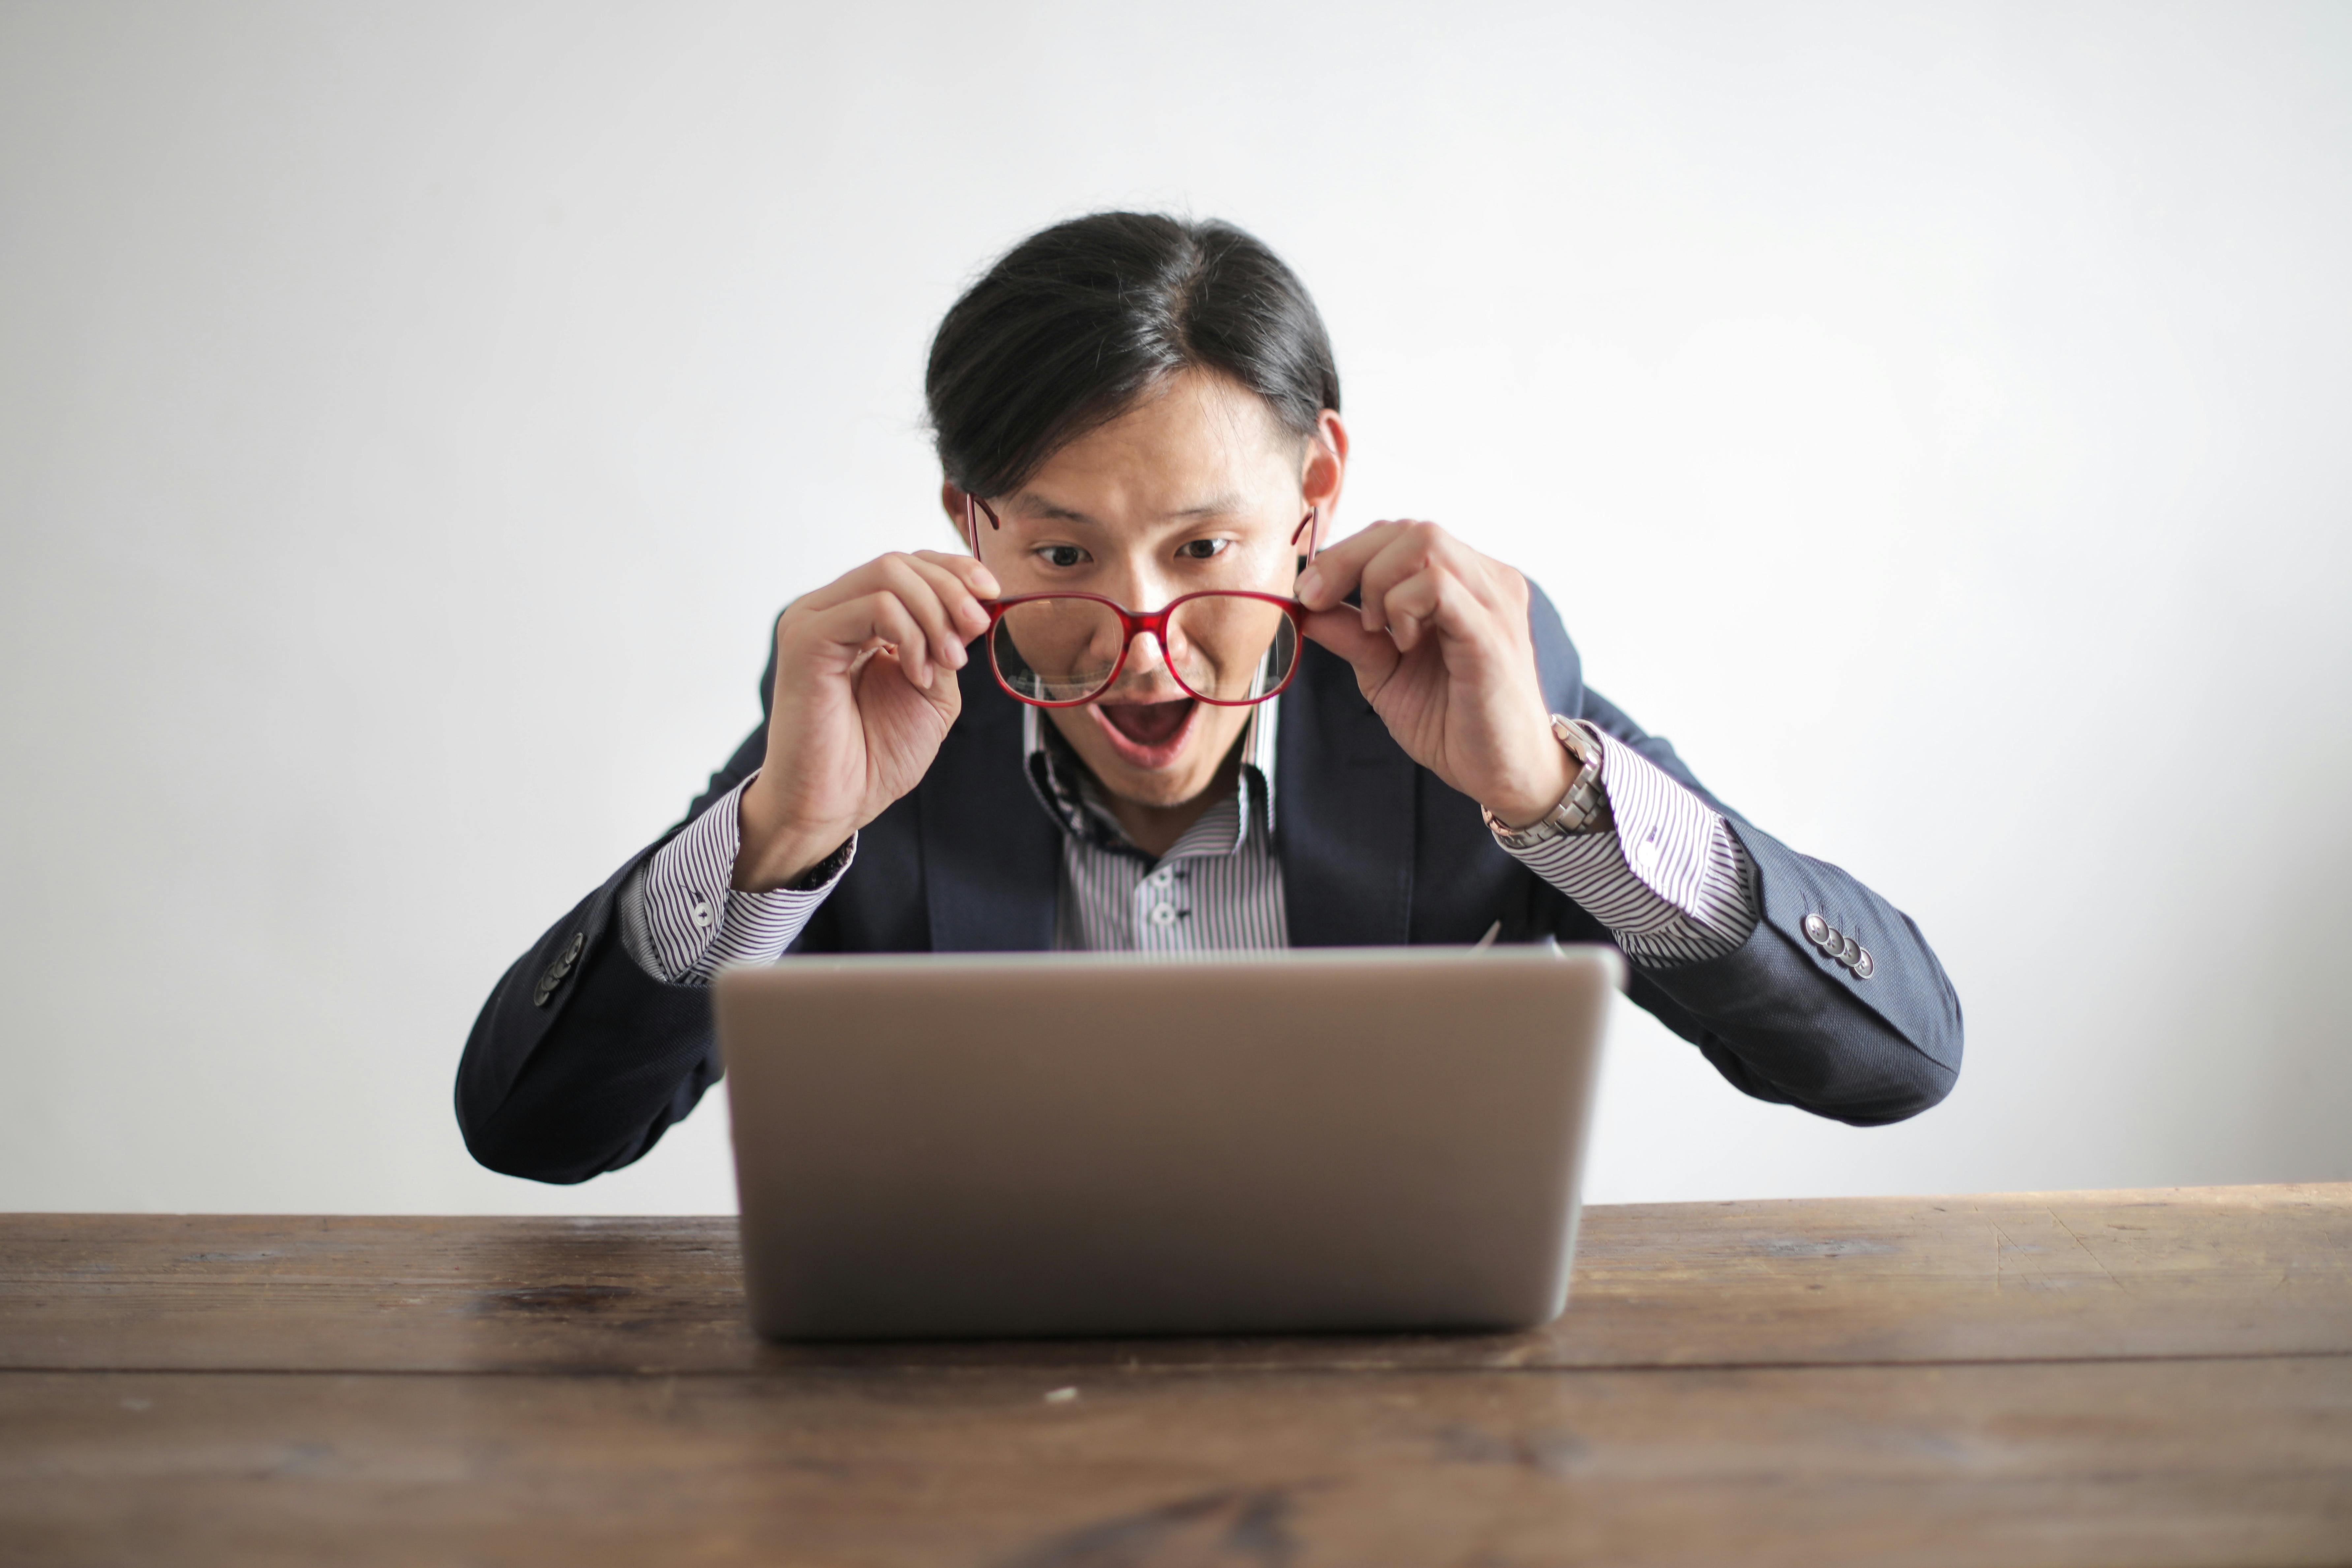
702 914
1163 914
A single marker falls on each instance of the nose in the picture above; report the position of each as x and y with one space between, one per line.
1147 661
1145 677
1135 583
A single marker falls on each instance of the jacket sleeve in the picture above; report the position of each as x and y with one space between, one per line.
581 1060
1777 1015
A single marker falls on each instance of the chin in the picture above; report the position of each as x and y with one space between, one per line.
1159 787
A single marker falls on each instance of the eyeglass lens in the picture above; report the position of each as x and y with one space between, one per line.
1225 647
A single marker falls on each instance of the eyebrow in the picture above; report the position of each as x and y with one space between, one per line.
1039 507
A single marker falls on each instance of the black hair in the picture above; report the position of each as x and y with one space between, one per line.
1077 322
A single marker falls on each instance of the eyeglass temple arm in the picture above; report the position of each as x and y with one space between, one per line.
973 506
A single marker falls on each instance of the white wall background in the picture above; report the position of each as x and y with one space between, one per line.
1937 420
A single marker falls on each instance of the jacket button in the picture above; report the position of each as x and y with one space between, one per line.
559 969
1848 951
1862 966
1817 930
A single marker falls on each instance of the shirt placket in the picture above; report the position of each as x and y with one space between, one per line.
1162 911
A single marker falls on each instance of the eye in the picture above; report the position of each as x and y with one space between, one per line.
1064 555
1203 549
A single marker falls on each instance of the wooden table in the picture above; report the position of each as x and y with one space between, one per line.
2080 1377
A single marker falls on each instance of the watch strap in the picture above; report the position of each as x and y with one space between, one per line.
1585 807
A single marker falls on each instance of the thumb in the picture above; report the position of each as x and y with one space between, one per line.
1342 629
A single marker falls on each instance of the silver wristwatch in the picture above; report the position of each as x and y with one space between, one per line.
1584 809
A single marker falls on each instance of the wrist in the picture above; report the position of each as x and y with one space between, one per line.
775 849
1544 784
1582 807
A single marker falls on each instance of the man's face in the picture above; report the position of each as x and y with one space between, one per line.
1195 488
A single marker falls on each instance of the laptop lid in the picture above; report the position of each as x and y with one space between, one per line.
989 1145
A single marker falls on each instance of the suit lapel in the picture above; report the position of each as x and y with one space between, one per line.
990 855
1346 837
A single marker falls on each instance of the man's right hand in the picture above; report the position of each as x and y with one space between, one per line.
866 689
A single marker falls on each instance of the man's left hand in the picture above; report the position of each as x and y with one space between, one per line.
1441 652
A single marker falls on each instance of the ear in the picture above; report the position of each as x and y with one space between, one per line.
958 505
1323 468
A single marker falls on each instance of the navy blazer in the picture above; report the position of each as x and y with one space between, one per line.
580 1060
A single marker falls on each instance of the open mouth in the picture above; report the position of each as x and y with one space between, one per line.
1146 734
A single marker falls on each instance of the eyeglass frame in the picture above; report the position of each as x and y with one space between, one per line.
1134 623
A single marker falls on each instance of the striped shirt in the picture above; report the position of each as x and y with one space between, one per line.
1218 888
1668 878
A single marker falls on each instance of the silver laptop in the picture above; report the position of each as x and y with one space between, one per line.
1010 1145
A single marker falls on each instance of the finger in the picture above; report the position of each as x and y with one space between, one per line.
1372 654
845 589
917 588
963 607
878 618
856 583
1333 575
1406 554
1414 602
974 574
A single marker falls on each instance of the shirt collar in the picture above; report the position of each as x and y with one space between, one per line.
1073 799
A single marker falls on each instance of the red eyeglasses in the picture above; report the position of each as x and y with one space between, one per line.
1221 645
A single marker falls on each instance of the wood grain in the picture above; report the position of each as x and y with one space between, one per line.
2185 1272
2241 1461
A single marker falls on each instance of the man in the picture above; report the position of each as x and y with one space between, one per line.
1156 708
